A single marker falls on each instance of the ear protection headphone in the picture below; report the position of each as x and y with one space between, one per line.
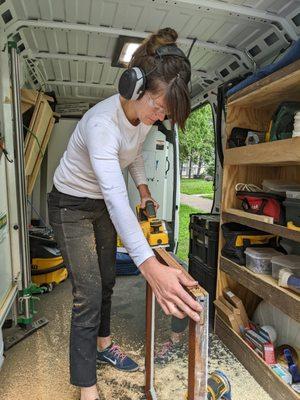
132 83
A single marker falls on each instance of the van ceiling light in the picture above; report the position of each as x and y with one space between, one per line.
125 47
127 52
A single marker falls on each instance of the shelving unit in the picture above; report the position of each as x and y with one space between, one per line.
262 226
261 371
265 287
252 108
281 152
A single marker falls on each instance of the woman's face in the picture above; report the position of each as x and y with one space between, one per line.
151 107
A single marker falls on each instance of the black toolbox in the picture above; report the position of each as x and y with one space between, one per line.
207 278
204 238
203 254
292 207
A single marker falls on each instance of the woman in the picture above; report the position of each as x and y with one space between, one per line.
89 203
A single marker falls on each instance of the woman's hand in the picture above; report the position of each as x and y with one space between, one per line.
149 198
146 196
167 284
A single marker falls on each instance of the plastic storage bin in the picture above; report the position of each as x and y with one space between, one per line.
293 194
290 246
279 187
204 238
290 262
258 260
207 278
292 210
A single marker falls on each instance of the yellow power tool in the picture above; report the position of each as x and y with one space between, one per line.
153 228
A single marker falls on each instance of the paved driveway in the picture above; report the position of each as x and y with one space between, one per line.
196 201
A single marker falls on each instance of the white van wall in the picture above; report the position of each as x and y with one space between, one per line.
10 263
159 166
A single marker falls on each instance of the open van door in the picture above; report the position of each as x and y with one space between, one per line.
160 153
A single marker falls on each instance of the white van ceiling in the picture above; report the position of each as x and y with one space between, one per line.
68 45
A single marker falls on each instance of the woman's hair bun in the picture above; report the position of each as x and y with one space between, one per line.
162 37
168 34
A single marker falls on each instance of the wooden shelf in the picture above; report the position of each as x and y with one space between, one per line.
282 85
277 230
263 286
256 366
253 108
280 152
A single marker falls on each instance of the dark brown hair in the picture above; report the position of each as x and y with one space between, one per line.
174 71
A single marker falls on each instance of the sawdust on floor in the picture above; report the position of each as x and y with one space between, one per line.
38 367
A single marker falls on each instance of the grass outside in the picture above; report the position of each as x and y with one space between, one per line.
184 221
196 186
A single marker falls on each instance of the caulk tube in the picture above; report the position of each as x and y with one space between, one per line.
289 280
218 387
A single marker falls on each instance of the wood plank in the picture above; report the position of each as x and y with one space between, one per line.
280 86
277 230
28 99
255 217
227 315
276 387
280 152
36 169
237 303
236 312
39 128
265 287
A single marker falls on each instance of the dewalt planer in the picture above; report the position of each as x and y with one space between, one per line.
153 228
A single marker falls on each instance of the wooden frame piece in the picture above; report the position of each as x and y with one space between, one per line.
198 338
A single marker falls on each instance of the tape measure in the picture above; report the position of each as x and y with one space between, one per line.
218 387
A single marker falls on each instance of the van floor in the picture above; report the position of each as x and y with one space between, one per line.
37 367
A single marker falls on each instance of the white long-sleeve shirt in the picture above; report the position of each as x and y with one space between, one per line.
103 143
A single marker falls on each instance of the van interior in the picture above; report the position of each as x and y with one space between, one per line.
61 57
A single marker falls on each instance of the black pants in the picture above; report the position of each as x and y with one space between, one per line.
87 240
179 325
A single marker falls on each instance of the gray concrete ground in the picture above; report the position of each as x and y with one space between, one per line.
37 368
196 201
